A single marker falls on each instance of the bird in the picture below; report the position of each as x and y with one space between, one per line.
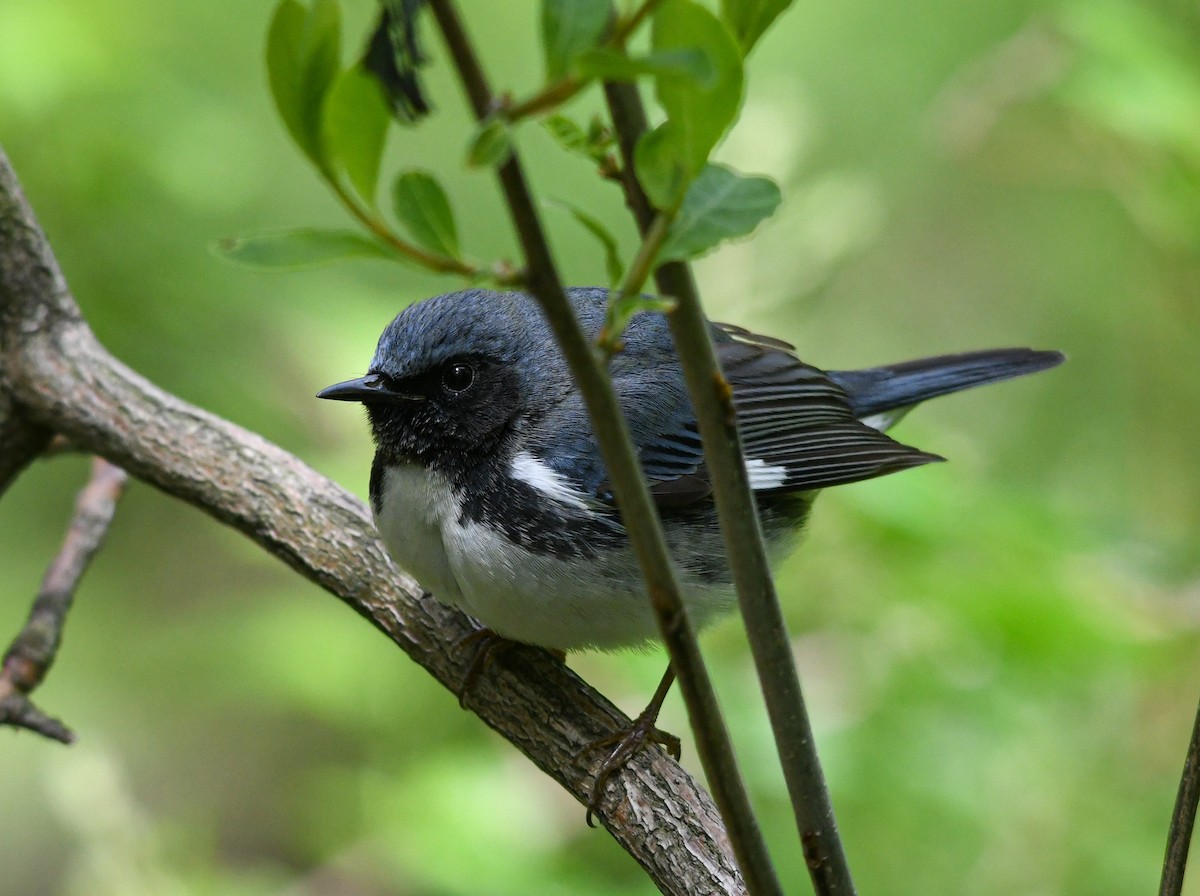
488 485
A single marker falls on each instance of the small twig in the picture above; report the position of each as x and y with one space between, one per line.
18 711
643 263
32 652
631 23
615 320
1183 819
633 498
736 509
553 95
433 261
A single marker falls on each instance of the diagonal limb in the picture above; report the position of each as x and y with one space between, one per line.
32 652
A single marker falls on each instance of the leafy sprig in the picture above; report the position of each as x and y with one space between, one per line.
339 115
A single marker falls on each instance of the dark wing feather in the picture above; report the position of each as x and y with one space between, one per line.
894 388
798 429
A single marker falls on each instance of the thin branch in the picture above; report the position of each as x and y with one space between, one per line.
1183 819
433 261
549 97
637 511
32 652
62 376
615 320
643 263
556 93
626 28
18 711
736 507
629 123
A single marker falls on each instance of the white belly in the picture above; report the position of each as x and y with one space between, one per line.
535 598
413 507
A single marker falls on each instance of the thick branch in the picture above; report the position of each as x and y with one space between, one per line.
61 374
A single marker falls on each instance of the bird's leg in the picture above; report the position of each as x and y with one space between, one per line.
628 741
487 645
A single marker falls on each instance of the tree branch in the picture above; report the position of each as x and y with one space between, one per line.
53 365
32 652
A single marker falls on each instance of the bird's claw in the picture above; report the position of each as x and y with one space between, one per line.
486 644
626 743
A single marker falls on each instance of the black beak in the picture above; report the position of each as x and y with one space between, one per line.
371 387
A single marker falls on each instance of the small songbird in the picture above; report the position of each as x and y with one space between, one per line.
488 484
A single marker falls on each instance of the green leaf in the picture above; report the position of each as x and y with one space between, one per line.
302 248
491 146
567 133
569 28
659 167
613 265
303 48
611 65
595 144
355 124
421 205
698 115
749 19
720 205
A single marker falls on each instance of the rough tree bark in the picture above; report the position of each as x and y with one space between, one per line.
55 377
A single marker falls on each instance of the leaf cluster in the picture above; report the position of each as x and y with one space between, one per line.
339 116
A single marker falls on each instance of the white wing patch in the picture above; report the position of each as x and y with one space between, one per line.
543 479
763 475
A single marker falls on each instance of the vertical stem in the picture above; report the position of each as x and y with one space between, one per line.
637 511
759 603
1183 819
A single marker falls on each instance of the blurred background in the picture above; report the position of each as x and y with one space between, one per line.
1001 652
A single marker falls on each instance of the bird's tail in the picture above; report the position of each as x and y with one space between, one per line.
887 392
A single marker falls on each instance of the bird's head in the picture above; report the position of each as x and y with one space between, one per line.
455 375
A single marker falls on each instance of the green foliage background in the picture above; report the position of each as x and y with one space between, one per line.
1001 652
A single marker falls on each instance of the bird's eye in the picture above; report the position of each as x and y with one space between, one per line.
458 377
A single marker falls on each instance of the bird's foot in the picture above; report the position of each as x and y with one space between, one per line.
626 743
487 645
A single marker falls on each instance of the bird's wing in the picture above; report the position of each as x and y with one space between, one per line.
798 430
656 408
